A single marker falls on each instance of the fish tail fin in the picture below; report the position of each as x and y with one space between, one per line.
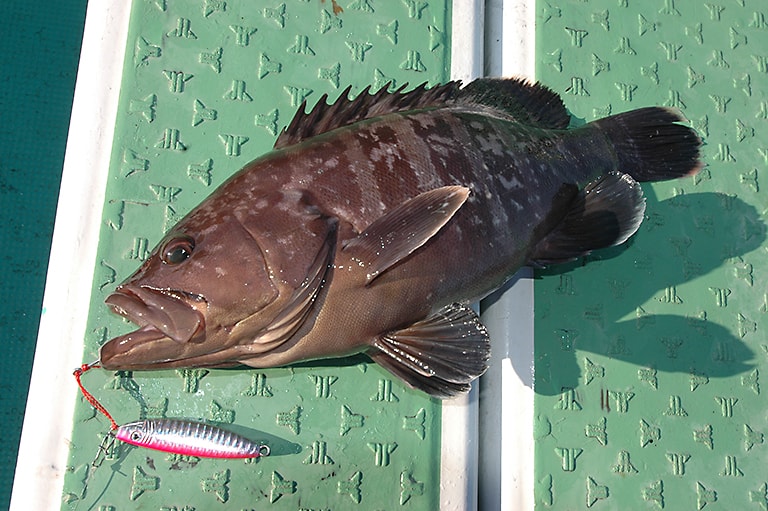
651 145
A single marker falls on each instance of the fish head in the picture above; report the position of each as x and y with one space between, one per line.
230 274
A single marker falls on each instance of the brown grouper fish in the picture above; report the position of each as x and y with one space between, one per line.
376 221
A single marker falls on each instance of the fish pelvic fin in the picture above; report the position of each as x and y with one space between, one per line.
440 355
605 213
651 145
517 99
403 229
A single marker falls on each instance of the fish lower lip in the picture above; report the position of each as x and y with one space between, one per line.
119 353
143 334
154 310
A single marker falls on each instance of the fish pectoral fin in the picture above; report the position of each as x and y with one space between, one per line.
605 213
440 355
403 229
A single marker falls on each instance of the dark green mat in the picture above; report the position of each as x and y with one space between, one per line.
39 48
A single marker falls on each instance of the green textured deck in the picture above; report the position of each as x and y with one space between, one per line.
206 87
649 357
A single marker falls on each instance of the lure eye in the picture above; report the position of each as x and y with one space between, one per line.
135 436
178 250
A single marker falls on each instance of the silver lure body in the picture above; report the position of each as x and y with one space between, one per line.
190 438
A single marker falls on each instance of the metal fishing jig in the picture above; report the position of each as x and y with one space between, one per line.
177 436
191 438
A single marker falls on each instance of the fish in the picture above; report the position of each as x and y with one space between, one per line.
191 438
376 221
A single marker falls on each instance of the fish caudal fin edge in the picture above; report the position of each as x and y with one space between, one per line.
651 145
605 213
440 355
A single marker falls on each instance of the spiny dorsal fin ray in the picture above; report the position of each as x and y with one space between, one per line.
325 117
515 99
440 355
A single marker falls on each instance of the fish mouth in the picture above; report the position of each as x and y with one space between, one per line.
161 314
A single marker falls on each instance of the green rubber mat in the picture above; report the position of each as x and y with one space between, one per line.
206 88
650 357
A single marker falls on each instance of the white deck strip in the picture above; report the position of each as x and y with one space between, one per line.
44 447
459 433
506 391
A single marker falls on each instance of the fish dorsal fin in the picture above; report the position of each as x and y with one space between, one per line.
325 117
403 229
515 99
519 100
605 213
440 355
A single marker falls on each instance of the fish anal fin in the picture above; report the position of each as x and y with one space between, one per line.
403 229
440 355
605 213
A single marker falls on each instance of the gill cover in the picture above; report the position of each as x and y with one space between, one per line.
298 244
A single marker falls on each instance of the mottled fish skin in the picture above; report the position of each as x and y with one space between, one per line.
280 256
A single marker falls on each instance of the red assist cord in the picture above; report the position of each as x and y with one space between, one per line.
89 397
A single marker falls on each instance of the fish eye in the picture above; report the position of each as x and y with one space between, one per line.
135 436
178 250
